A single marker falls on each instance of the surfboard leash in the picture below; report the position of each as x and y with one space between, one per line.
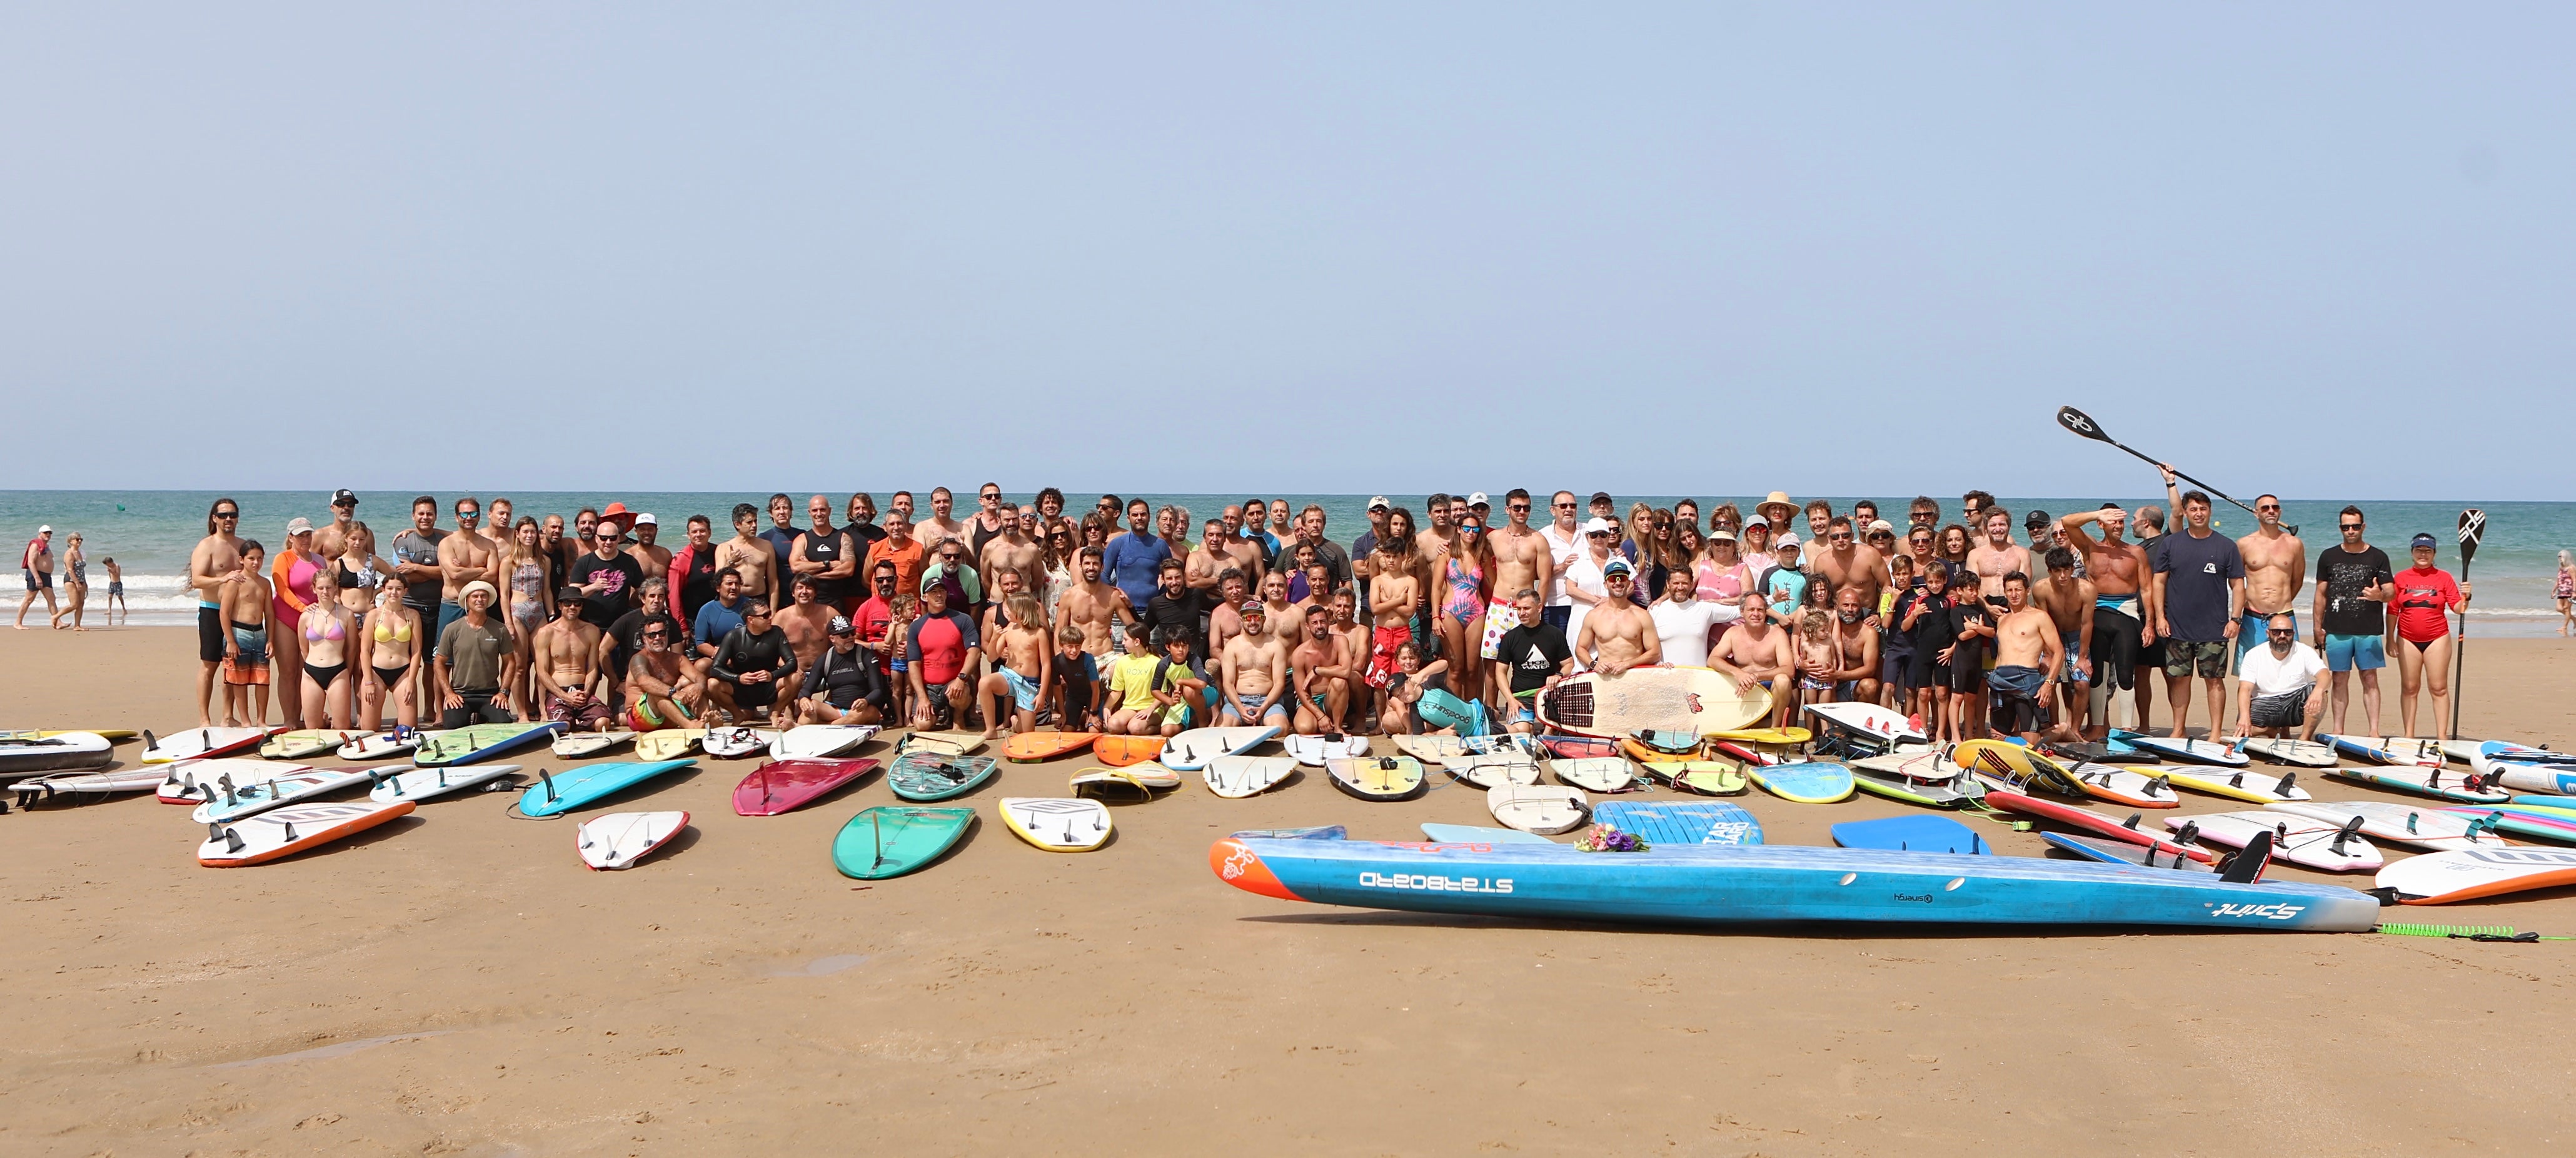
2464 932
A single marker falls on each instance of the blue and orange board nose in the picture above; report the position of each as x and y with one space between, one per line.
1241 867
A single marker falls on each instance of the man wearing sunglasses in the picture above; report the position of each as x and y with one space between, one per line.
1848 564
215 559
2276 563
1522 561
2274 682
2354 584
664 691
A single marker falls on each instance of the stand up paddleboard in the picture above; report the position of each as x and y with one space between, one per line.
417 784
2399 823
930 776
252 799
1312 751
202 743
2299 840
781 786
619 839
307 743
2110 851
1681 699
891 840
2439 878
821 741
1030 747
554 795
577 745
287 831
37 755
1055 823
1538 809
1378 778
479 742
1234 777
1191 750
1912 834
1694 822
1478 834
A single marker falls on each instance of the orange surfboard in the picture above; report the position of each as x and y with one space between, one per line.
1121 751
1029 747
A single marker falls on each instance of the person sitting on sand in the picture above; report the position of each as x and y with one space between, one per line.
1074 691
662 689
1322 681
1252 674
842 685
475 661
571 688
751 663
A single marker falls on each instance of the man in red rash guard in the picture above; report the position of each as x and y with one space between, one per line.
942 652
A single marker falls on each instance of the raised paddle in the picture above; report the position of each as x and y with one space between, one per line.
2473 527
2083 424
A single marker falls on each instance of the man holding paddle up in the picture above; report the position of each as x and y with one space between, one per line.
2199 588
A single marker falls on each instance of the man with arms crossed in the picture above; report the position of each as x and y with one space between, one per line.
2354 584
1754 652
463 557
2276 563
2199 584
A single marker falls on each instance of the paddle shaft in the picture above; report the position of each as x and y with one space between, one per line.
2094 431
2473 527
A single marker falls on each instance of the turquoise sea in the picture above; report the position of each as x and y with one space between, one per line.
150 532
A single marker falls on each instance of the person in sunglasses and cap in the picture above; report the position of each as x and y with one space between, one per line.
843 685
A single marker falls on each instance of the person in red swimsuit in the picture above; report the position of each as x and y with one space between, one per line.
2426 597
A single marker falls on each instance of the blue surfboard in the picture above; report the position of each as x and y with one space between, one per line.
1680 822
1912 834
1479 834
556 793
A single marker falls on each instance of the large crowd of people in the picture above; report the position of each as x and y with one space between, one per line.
1456 619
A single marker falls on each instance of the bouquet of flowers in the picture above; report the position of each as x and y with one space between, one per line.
1608 838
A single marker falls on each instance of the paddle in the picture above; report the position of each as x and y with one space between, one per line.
2083 424
2473 527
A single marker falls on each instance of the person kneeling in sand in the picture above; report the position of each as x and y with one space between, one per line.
661 689
2275 684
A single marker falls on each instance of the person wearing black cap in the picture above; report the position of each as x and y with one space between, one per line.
571 687
332 540
842 685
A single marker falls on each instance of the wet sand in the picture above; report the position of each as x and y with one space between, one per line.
458 983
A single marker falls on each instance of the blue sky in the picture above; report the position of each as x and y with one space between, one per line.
1314 247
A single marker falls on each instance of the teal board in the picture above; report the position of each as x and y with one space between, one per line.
557 793
891 840
1679 823
1912 834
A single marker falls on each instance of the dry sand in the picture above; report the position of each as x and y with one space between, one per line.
458 983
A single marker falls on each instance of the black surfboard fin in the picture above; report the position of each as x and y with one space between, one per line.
2189 832
2247 866
2350 831
550 785
233 841
2289 780
2161 784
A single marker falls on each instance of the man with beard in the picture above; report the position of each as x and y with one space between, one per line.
2117 569
1856 672
1322 681
608 578
662 691
842 685
1010 548
748 555
655 559
2070 604
808 622
1096 607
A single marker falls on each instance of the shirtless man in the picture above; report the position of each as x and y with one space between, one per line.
2027 659
648 549
1618 634
463 557
1393 591
1523 558
571 688
1200 569
1012 550
808 624
1564 545
1353 640
332 540
1322 677
2117 570
1850 565
943 524
1224 620
1252 673
1756 652
2276 566
1856 671
1094 606
1287 620
215 560
661 691
1245 553
1022 665
2069 602
1996 555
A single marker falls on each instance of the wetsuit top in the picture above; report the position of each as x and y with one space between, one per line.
844 678
938 645
1131 563
419 550
782 542
697 586
1939 626
2425 595
743 652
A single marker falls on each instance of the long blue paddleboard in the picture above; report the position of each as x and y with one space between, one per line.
1912 833
1476 834
1680 822
556 793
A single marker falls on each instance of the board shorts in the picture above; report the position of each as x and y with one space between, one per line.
1024 691
2252 629
1500 617
39 580
250 666
1524 706
593 716
210 633
646 719
1383 644
2286 710
1245 709
116 588
2182 657
2072 641
2356 652
2017 689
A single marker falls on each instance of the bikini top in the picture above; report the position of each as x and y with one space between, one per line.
401 632
331 628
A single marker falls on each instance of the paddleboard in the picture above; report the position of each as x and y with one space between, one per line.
2248 784
2090 821
69 752
1191 750
821 741
309 742
2435 781
737 742
1121 751
1479 834
252 799
2109 851
37 789
669 743
1312 751
555 794
1378 778
202 743
198 781
619 839
384 744
1870 723
416 784
1593 773
1912 834
890 840
2399 823
941 743
576 745
787 785
2439 878
1031 747
1235 777
286 831
1538 808
2299 840
2387 750
1813 782
931 776
2303 753
1682 699
1701 777
1694 822
1493 769
2187 751
1055 823
476 743
1137 780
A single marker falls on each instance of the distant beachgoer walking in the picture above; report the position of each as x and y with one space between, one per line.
2566 592
75 584
37 560
115 607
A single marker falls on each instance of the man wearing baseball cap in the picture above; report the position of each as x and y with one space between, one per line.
332 540
842 685
1617 634
1584 577
37 561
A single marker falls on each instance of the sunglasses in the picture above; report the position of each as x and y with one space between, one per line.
2278 633
657 635
2350 526
2260 507
1597 534
227 514
1517 506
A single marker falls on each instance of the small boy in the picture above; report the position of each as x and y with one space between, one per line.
1073 682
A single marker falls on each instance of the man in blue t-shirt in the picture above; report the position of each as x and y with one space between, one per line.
1131 561
2199 589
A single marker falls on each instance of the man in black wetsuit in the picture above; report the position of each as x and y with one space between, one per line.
843 686
750 663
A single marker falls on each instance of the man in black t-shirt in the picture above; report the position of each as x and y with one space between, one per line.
1177 607
608 578
1531 658
2354 583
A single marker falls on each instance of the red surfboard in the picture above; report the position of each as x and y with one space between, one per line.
786 785
2089 821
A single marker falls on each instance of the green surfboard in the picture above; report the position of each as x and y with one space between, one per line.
891 840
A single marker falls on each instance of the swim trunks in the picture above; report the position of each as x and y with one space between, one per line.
1248 711
592 716
2072 641
2286 710
210 633
249 665
39 580
2016 707
1024 691
1383 643
2356 652
2183 656
1500 617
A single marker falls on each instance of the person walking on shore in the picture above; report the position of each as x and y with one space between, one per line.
37 560
2566 592
75 584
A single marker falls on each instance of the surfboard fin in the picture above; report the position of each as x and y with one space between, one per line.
2350 831
2288 781
2189 832
2246 867
2160 786
233 842
290 832
550 785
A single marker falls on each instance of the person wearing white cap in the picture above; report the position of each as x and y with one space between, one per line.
655 560
1584 585
290 579
37 561
1364 549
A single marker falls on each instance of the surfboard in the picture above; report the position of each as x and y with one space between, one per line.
37 789
1120 751
890 840
1812 782
941 743
417 784
2122 786
2480 749
307 743
198 781
1138 781
479 742
69 752
112 735
2016 766
2302 753
2541 779
1235 777
1767 737
2436 781
1435 751
1570 747
781 786
1959 792
1699 777
1693 822
821 741
2536 823
2299 840
2090 821
201 743
1593 773
1191 750
1312 751
1868 722
2107 751
668 743
252 799
2248 784
737 742
286 831
619 839
1479 834
576 745
394 742
2188 751
2386 750
1697 700
1031 747
932 776
2439 878
1055 823
1493 769
2399 823
1915 762
1378 778
1663 743
2109 851
1912 834
554 795
1538 808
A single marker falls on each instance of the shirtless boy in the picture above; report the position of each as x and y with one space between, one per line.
2068 601
1022 665
1393 591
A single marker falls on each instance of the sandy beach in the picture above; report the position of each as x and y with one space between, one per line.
457 983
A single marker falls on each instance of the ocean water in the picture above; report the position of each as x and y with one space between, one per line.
151 532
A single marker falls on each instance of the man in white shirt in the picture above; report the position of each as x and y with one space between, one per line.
2273 684
1683 620
1564 543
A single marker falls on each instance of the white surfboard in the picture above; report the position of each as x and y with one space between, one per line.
1191 750
2298 840
89 784
1494 769
197 781
308 743
2425 827
1434 751
278 792
1312 751
2442 877
2189 751
196 743
1535 808
2552 779
2136 789
1869 720
1057 824
737 742
1594 773
1135 780
284 832
384 744
1918 763
430 783
619 839
821 741
2299 753
22 756
575 745
2396 750
1235 777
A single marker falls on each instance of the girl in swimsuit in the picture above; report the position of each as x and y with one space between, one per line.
325 628
1465 562
358 571
390 640
525 599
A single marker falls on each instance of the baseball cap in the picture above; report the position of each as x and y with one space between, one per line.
1252 607
1617 566
840 626
1379 503
567 593
47 529
1598 497
1757 521
2036 519
1596 526
1786 539
647 520
1881 526
1478 499
299 526
2423 539
344 497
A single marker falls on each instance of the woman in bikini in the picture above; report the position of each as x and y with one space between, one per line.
358 572
1466 564
390 639
2566 591
325 630
524 600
